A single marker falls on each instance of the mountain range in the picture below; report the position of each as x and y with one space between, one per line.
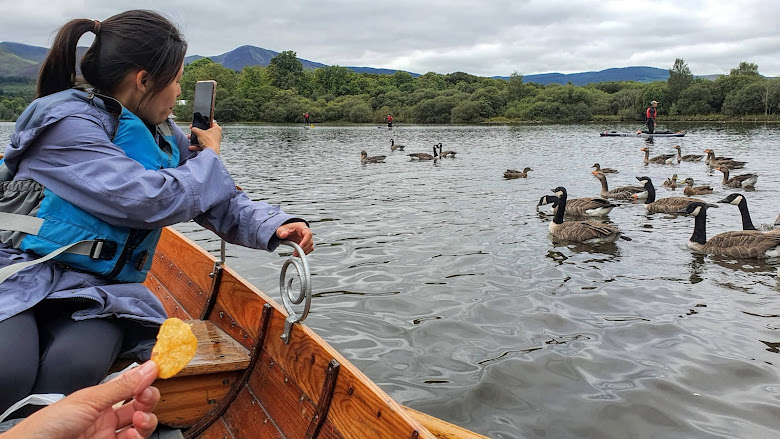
21 60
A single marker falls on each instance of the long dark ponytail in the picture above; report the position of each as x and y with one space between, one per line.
137 39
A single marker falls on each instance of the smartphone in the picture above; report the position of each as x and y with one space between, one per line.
203 107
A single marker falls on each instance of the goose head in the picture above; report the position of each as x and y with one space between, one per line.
695 209
677 147
560 191
645 181
734 199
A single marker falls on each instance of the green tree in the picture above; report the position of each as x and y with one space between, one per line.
680 78
696 99
745 68
335 80
286 71
206 69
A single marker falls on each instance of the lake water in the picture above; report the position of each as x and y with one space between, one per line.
439 279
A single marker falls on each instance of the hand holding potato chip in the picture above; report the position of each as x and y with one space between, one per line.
175 347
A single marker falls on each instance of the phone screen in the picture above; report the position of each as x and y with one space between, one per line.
203 107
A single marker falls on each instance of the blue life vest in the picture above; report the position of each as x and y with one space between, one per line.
116 252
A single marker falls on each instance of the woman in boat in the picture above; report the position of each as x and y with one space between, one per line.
95 174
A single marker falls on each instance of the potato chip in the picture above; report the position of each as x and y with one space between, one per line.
175 347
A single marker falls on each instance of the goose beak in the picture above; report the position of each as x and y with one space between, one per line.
724 201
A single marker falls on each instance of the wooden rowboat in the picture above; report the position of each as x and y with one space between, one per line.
246 381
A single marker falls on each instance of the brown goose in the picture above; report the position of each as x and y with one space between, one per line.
697 190
725 162
589 232
663 159
604 170
510 174
447 153
394 146
586 206
688 157
736 244
743 180
620 193
364 158
664 205
671 183
424 156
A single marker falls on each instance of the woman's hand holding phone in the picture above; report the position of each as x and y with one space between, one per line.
207 139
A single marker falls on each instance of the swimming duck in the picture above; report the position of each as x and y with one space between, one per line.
664 205
743 180
364 158
671 182
510 174
697 190
724 162
589 232
604 170
659 159
620 193
688 157
586 206
424 156
447 153
736 244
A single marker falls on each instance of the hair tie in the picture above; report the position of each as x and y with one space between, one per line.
96 29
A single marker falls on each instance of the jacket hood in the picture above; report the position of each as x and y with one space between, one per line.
45 111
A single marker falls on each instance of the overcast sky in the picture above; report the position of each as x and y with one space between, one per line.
481 37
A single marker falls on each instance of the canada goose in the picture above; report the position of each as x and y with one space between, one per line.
587 206
589 232
620 193
447 153
688 157
725 162
394 146
510 174
743 180
364 158
604 170
740 201
659 159
663 205
671 182
736 244
424 156
698 190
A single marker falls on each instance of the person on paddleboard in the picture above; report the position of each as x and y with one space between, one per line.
650 116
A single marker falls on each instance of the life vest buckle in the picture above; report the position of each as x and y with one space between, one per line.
103 249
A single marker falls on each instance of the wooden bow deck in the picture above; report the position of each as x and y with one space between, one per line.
245 382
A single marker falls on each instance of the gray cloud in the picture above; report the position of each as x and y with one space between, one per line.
480 37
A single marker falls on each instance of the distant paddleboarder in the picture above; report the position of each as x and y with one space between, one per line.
389 120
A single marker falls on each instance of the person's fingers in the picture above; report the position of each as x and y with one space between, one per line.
146 401
119 389
145 423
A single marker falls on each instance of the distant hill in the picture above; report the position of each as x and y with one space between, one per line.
22 60
638 74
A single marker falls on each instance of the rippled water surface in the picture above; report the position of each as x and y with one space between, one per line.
440 282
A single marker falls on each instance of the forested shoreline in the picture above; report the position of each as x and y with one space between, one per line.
283 91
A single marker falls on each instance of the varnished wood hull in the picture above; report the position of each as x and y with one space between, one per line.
285 388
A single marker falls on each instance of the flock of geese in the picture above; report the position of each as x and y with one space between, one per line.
438 152
746 243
